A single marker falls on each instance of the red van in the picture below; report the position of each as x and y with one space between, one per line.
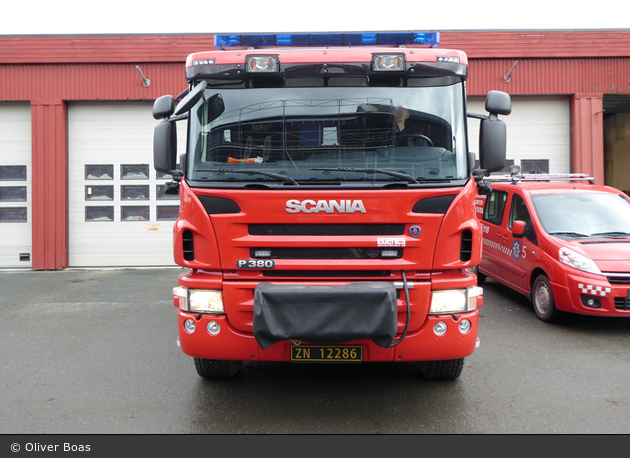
561 240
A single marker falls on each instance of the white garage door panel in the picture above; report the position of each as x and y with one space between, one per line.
16 236
117 136
537 128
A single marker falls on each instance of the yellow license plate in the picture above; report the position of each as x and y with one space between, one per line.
326 353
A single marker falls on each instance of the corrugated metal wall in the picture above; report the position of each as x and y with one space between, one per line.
49 71
550 76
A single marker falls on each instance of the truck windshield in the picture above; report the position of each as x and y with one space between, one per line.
580 215
315 135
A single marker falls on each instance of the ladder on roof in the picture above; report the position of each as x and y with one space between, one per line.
516 177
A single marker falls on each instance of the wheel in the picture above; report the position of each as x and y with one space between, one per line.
448 369
542 300
481 278
215 368
415 140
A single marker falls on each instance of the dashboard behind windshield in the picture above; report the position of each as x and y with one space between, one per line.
336 134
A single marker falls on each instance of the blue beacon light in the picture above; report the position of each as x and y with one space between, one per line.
428 39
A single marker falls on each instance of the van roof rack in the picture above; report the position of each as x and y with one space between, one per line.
516 177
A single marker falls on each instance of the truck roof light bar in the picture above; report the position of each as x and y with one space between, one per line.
426 39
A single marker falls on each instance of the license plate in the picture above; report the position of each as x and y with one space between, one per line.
328 354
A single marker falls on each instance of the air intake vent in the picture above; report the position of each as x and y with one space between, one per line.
437 204
326 229
218 205
188 245
465 252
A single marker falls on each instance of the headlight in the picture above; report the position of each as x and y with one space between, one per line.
577 261
455 300
199 300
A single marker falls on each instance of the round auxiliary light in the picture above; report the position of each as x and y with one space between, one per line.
440 328
189 326
213 328
464 326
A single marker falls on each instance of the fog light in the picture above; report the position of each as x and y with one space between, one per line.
440 328
592 302
464 326
189 326
213 328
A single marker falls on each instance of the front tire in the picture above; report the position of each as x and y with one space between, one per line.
481 278
542 300
448 369
216 368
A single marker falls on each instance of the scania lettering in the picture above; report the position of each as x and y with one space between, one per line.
327 198
310 206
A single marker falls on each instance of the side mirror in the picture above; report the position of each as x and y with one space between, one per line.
163 107
165 147
518 229
191 98
498 102
492 144
493 132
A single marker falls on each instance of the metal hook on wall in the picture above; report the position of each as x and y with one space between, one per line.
145 81
509 74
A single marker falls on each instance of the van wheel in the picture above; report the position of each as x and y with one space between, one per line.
542 300
448 369
215 368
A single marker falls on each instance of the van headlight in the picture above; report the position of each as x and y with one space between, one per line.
577 261
199 300
455 300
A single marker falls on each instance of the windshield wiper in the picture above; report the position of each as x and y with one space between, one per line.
277 176
402 176
611 234
569 234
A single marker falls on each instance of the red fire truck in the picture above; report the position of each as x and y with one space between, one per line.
327 201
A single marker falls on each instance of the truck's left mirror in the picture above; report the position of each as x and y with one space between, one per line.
165 147
163 107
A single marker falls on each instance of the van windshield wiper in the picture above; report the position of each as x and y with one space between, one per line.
611 234
277 176
402 176
569 234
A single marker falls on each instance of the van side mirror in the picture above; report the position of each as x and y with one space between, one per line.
518 229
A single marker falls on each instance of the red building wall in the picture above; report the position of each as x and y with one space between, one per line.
49 71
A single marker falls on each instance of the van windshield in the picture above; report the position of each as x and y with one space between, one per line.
580 215
329 135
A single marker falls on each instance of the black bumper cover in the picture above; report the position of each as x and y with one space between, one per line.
326 315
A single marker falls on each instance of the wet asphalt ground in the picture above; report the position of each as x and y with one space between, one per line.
94 352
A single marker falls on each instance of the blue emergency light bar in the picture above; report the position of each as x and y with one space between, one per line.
428 39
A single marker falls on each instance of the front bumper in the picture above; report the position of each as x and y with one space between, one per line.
587 296
421 345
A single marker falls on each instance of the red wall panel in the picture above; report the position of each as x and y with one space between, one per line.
50 185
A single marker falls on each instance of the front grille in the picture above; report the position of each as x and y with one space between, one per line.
622 303
326 229
621 279
327 273
325 253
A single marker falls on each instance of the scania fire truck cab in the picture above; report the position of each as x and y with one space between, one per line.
327 201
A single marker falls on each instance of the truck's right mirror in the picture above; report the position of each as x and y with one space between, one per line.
493 132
